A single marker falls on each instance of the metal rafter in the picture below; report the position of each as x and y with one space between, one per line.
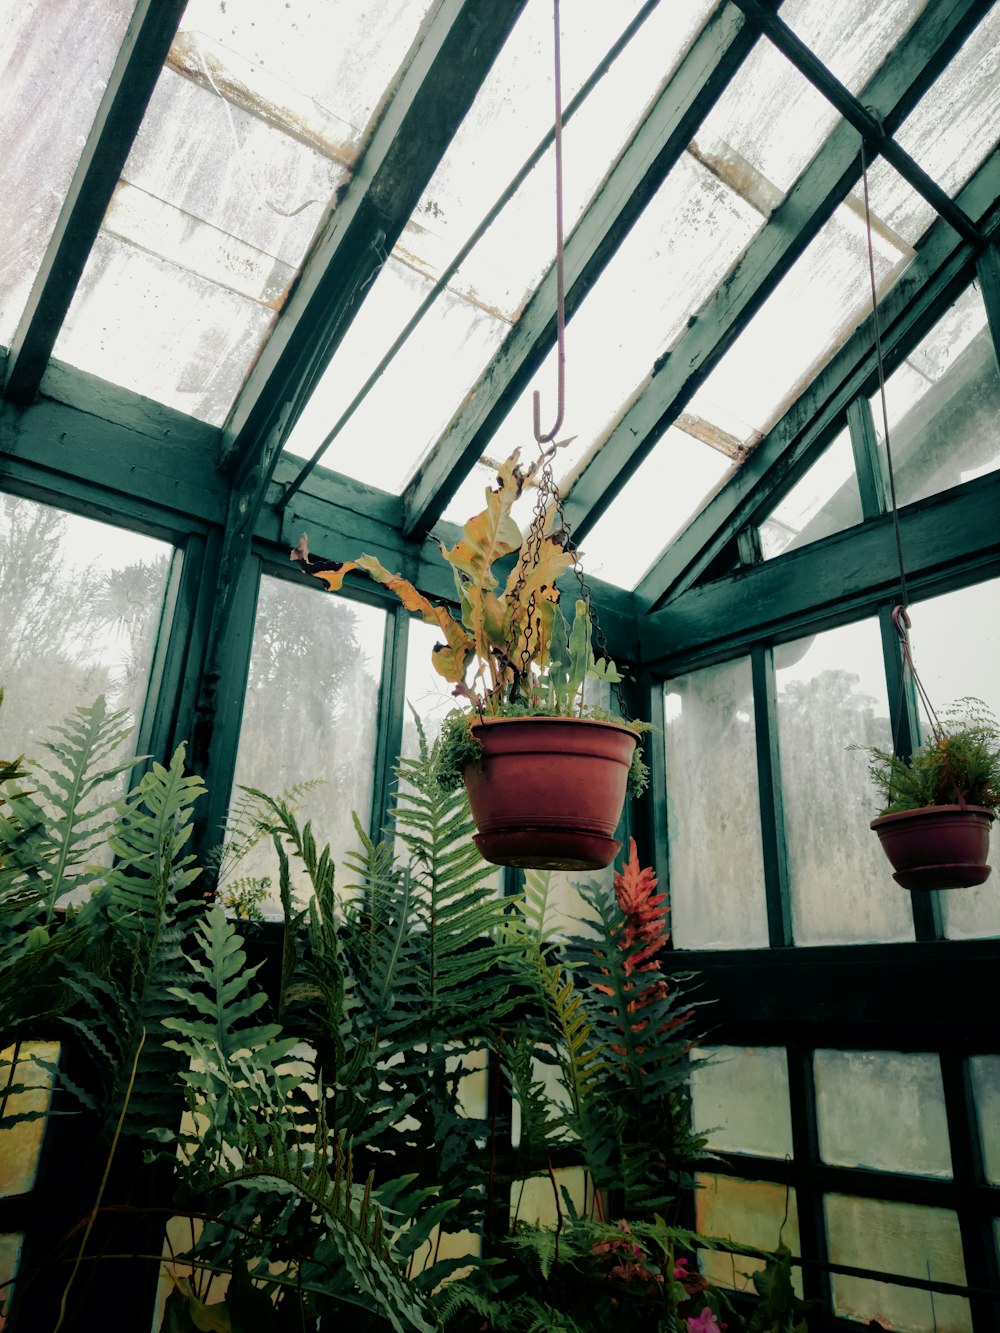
137 68
432 96
893 91
655 147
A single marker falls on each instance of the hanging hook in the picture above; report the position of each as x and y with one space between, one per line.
560 289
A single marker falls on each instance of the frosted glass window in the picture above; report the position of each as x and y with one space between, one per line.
831 695
943 403
310 713
55 58
739 1098
20 1144
986 1086
956 645
80 606
533 1201
713 810
753 1212
883 1110
903 1238
825 500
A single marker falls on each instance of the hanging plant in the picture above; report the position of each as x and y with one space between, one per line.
938 805
546 771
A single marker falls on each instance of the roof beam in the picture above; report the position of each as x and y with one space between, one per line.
893 91
904 313
655 147
433 94
137 68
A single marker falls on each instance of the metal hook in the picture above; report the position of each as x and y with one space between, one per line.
560 289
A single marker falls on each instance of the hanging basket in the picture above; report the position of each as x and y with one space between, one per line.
548 792
937 846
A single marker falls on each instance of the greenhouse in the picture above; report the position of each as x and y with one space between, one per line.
499 566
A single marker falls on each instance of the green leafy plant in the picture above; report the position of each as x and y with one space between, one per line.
958 764
510 651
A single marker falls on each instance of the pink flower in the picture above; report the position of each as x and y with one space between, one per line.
680 1269
705 1322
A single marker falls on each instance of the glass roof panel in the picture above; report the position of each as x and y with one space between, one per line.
249 134
950 132
68 45
659 499
826 499
510 116
686 240
806 319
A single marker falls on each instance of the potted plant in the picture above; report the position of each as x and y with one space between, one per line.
937 806
546 772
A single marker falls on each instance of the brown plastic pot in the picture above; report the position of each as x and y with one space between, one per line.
548 792
937 846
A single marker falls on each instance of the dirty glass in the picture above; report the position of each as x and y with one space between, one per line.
55 59
739 1099
309 716
28 1067
956 644
883 1110
87 628
831 696
942 404
985 1071
824 500
904 1238
713 810
752 1212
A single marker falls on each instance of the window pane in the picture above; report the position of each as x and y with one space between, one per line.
986 1085
882 1109
713 810
532 1200
826 499
942 404
311 712
956 642
831 695
20 1144
753 1212
739 1098
903 1238
80 607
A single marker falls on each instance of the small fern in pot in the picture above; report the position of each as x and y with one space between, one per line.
521 666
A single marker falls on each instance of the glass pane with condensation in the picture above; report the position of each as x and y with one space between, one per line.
751 1212
27 1067
739 1099
713 810
161 330
87 628
666 490
55 59
831 696
813 310
388 435
309 716
942 405
956 646
985 1071
883 1110
950 132
904 1238
826 499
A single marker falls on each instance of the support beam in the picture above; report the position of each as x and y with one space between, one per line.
119 116
932 278
654 149
429 102
925 50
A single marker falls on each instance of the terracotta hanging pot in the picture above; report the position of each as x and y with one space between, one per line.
548 791
937 846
